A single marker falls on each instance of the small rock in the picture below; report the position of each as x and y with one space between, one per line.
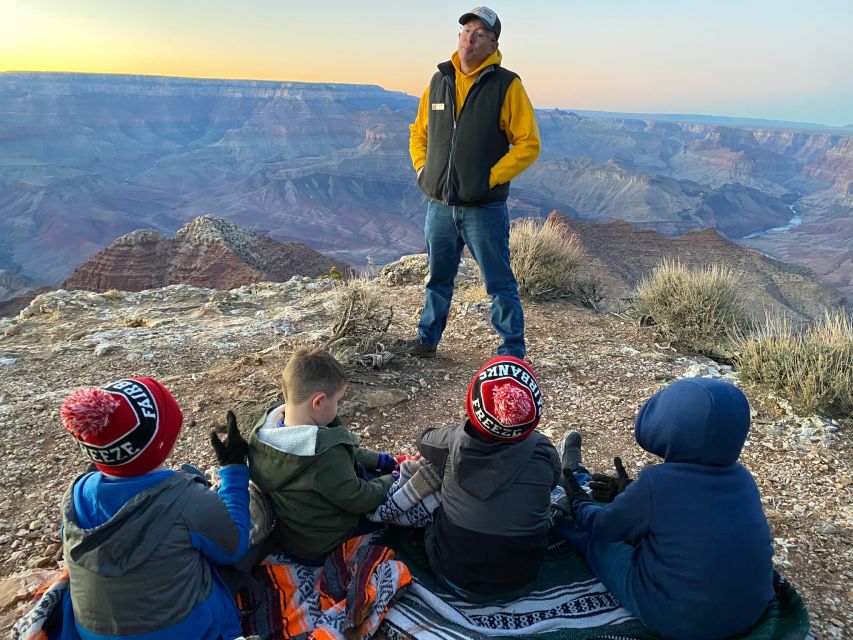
39 562
13 330
383 398
104 348
831 530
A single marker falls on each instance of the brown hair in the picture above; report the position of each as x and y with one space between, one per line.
310 371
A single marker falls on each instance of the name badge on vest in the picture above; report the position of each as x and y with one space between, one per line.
437 106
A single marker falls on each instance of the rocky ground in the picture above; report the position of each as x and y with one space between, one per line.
225 350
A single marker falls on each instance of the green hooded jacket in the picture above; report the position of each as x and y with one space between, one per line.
309 473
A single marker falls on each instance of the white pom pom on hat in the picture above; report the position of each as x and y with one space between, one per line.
127 428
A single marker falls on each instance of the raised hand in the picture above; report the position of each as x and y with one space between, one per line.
234 449
604 488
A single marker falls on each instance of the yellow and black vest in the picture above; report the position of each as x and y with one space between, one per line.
461 151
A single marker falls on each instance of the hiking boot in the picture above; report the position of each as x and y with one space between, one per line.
417 348
569 449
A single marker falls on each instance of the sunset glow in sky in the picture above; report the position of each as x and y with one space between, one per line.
786 60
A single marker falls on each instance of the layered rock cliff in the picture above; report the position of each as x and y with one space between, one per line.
618 255
89 158
207 252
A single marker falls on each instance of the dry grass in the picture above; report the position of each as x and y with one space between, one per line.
811 367
544 258
363 314
471 292
696 310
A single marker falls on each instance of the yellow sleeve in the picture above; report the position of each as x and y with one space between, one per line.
418 133
518 121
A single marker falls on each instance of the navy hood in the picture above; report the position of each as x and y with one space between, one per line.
695 420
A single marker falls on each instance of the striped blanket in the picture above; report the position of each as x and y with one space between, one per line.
413 496
346 598
46 612
567 603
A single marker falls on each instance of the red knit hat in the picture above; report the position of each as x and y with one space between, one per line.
504 400
127 428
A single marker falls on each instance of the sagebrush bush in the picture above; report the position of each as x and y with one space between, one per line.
544 258
363 313
812 367
697 310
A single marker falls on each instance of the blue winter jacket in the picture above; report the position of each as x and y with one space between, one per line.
140 553
702 565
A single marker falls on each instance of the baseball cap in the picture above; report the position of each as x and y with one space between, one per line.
489 18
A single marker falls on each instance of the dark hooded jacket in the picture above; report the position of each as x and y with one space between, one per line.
702 566
490 533
140 550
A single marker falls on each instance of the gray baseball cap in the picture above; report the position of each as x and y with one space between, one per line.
489 18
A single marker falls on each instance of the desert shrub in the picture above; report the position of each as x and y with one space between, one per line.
362 314
589 291
473 291
812 367
696 310
544 258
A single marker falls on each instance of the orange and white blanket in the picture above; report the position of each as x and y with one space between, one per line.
346 598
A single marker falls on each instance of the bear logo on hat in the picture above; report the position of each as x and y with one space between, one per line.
504 399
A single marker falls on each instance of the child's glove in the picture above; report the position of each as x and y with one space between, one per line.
605 488
234 449
387 463
574 492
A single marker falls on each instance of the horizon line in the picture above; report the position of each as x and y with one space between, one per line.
601 112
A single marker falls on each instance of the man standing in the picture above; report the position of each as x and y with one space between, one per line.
475 131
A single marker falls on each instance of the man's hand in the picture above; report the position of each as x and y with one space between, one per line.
234 449
605 488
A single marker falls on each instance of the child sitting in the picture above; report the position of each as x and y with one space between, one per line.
139 539
490 532
311 466
686 546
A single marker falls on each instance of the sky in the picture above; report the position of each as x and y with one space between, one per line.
774 59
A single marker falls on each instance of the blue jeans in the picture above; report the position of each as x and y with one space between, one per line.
485 231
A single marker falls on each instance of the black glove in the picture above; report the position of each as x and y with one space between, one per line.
234 449
387 463
574 492
605 488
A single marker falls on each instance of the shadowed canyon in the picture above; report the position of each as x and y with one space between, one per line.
85 159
